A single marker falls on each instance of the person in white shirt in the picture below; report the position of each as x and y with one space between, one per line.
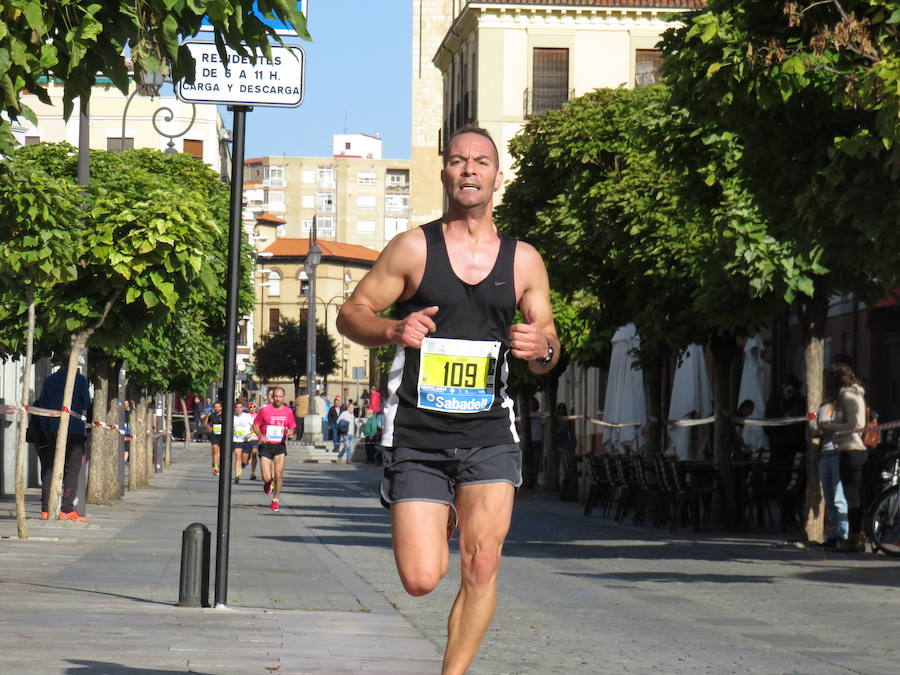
346 426
241 433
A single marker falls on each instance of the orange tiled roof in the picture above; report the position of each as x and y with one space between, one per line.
298 248
270 218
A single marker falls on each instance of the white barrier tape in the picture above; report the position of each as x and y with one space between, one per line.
95 424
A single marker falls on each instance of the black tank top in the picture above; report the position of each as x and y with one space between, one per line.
459 399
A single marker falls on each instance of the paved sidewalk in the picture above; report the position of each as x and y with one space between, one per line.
98 598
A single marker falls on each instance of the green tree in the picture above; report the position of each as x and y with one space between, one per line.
282 352
79 40
39 248
809 90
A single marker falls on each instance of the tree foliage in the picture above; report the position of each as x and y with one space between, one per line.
282 352
79 40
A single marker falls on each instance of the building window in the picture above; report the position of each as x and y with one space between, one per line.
326 176
325 226
365 227
275 200
193 148
549 79
274 177
325 202
393 226
647 64
274 283
365 202
31 140
397 179
113 143
274 318
279 230
303 278
396 205
307 226
365 178
309 177
309 202
242 333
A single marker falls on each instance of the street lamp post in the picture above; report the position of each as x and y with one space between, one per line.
150 84
312 425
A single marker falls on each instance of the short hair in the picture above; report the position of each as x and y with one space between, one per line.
470 130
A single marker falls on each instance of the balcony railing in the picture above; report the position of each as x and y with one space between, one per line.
537 102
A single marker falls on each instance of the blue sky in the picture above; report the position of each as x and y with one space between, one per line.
358 68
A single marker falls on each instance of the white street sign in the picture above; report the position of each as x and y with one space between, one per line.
270 83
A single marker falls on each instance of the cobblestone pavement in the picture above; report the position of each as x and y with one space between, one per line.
588 595
313 589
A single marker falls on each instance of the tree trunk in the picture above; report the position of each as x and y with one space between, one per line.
167 460
812 322
137 474
187 422
551 452
149 437
21 527
724 348
103 475
79 340
655 429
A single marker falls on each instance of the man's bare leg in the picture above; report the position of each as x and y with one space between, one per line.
265 468
214 456
279 475
419 534
485 510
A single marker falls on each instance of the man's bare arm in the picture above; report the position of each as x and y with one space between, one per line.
399 266
530 341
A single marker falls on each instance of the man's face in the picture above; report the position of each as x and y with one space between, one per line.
238 408
252 407
277 398
217 407
471 175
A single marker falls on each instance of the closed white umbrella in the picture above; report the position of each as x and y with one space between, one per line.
624 392
691 398
753 376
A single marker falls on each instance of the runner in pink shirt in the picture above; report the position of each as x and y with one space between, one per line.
274 424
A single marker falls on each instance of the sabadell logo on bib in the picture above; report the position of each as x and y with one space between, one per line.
457 404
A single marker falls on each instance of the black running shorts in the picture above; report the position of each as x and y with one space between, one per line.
412 475
271 450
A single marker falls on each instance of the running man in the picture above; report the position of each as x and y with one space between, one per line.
212 423
252 441
241 433
451 446
274 424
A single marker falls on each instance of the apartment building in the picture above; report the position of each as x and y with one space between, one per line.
504 61
356 196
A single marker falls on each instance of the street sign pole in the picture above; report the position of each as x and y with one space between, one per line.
235 231
240 82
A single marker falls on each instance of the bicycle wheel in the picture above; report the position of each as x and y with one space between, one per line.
884 522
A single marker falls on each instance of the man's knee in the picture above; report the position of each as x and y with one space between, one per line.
421 581
480 561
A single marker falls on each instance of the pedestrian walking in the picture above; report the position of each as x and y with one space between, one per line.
52 397
346 427
450 437
212 424
274 424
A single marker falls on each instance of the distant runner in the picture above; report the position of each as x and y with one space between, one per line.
274 424
213 426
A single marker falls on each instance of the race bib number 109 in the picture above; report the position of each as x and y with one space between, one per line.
457 376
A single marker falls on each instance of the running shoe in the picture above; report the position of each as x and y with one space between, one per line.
73 516
45 515
215 471
252 476
267 487
274 505
237 480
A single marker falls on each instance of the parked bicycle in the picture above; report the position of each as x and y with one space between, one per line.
883 518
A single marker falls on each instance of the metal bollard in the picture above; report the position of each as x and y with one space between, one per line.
193 587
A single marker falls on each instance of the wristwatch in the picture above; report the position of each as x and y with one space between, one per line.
549 357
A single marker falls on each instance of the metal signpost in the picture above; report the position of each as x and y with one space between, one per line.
241 84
